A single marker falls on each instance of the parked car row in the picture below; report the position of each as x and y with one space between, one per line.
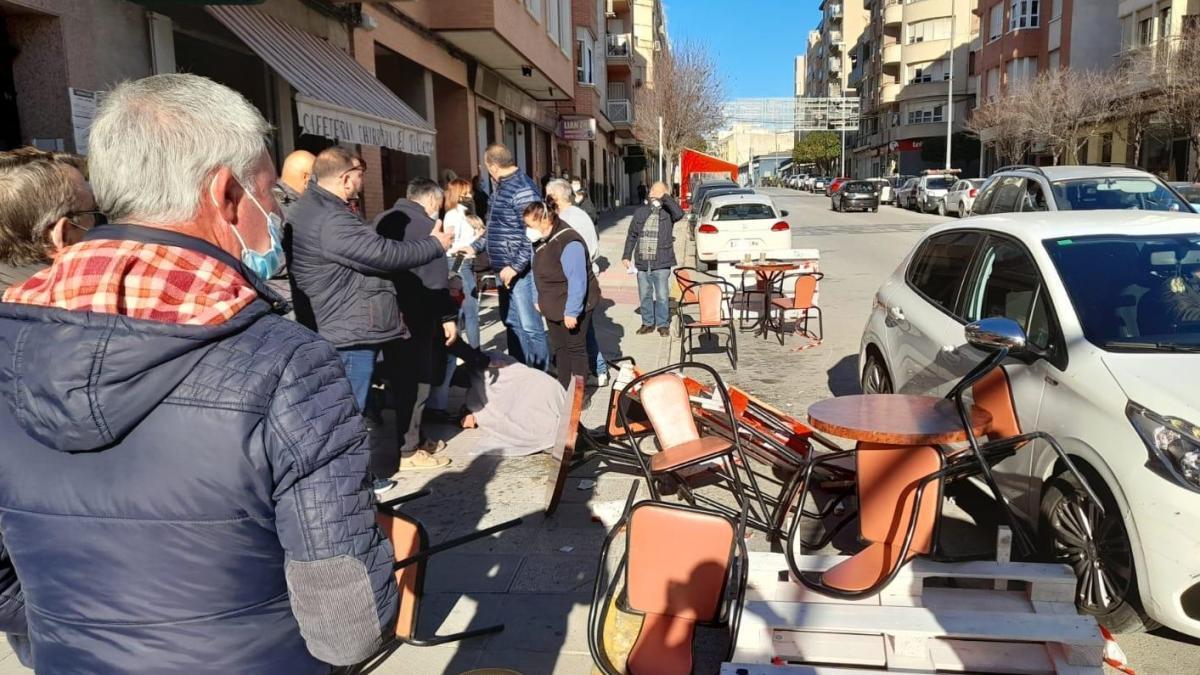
731 220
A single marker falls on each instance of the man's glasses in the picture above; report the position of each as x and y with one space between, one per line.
86 220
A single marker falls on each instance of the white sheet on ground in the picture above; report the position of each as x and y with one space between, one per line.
519 409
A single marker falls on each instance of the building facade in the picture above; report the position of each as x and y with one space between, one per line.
906 75
842 23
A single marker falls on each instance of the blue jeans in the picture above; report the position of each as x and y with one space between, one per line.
652 287
360 365
595 356
526 332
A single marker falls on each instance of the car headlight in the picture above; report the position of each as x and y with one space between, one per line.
1174 445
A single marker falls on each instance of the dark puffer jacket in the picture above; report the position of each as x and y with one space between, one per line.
186 499
341 265
506 243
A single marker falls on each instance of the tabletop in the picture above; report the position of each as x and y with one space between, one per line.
896 419
767 266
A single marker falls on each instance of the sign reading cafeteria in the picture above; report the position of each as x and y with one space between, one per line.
345 126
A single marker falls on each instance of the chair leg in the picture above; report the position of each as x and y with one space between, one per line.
733 355
820 324
454 637
779 326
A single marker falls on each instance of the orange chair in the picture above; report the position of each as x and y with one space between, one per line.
412 551
682 567
802 299
715 310
664 397
687 278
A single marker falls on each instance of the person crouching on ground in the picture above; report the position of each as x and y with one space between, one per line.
567 289
650 247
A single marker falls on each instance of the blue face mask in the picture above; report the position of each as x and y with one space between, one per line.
264 265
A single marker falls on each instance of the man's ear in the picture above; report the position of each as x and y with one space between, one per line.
225 194
58 235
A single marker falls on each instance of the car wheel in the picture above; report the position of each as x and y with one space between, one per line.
941 209
875 378
1096 546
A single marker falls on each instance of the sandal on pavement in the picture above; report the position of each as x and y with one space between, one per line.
421 460
433 447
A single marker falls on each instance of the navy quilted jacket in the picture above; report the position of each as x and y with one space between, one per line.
185 499
507 245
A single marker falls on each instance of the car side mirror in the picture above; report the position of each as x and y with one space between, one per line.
783 213
1174 208
996 333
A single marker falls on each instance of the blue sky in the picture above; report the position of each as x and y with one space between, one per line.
754 41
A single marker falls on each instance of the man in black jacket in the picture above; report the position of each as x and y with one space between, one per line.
344 268
650 247
430 314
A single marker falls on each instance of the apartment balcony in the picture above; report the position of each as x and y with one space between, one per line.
620 112
835 65
893 13
888 93
892 54
835 40
619 47
920 52
835 11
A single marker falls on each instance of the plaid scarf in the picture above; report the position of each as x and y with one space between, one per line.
142 281
648 241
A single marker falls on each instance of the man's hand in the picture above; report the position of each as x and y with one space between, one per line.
444 238
507 275
627 264
570 322
450 328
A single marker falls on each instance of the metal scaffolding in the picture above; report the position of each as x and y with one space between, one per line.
795 113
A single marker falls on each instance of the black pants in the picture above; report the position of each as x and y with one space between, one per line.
569 348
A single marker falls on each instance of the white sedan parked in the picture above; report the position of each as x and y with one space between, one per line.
731 226
1110 302
961 196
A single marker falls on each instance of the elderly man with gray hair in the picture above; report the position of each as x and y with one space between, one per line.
577 219
168 434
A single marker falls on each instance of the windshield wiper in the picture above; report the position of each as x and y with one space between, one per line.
1126 345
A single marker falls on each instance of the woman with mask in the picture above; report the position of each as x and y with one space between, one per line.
567 289
459 206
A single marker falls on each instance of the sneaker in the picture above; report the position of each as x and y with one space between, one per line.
645 329
664 331
433 447
382 485
602 380
421 460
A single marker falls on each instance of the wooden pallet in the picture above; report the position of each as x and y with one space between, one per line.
915 628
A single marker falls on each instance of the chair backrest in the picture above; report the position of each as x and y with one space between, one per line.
994 394
665 399
806 288
635 414
709 296
679 560
408 539
687 292
564 444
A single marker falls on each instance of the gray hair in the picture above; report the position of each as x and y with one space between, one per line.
424 188
155 143
560 189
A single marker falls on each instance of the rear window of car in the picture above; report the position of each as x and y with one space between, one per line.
749 211
1146 194
940 266
859 186
939 183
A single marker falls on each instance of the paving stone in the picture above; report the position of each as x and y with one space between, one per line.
555 573
472 573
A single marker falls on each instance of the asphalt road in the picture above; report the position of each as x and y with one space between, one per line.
858 251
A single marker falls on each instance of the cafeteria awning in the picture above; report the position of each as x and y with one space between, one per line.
335 96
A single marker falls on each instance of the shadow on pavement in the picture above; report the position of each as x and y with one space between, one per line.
843 377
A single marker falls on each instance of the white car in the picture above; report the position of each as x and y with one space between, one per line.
733 225
1110 302
961 197
884 188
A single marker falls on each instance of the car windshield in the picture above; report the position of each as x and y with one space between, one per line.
1133 293
745 211
939 183
1132 192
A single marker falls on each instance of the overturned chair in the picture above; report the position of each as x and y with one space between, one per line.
412 550
682 567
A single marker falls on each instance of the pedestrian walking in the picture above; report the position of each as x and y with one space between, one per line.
567 289
418 361
564 198
650 249
510 254
583 201
344 268
169 434
46 204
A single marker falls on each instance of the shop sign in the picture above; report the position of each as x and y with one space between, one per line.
577 128
342 125
907 145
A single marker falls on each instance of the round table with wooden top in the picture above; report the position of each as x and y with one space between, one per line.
768 273
900 439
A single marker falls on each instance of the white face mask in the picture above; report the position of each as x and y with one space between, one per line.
534 236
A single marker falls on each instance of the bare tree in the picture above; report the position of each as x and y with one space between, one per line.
1135 100
688 93
1179 82
1059 108
1000 124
